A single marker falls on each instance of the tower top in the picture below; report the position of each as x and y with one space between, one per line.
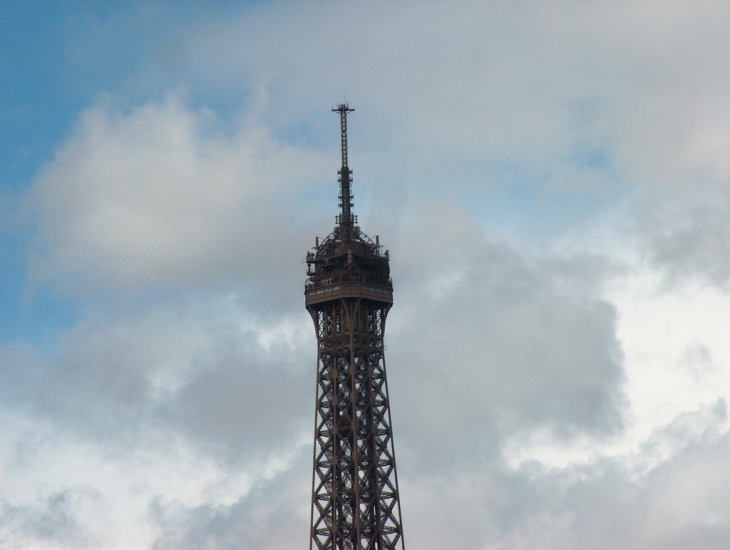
347 256
346 199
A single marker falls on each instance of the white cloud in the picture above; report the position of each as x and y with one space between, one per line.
159 196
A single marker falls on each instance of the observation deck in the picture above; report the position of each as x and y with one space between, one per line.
348 264
349 290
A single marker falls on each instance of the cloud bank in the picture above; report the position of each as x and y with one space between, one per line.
551 181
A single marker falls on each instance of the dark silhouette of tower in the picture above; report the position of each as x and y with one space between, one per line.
355 501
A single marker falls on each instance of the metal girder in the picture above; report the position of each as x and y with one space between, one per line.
355 504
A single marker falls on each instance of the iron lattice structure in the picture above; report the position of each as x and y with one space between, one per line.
355 501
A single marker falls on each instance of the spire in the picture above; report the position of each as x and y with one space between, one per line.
345 179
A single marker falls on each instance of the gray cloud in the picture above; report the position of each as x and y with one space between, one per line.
171 368
686 233
606 504
52 523
274 514
485 341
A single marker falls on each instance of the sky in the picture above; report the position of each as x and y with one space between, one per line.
551 179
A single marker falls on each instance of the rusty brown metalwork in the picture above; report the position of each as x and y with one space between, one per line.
355 501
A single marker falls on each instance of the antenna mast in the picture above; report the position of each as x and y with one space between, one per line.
345 179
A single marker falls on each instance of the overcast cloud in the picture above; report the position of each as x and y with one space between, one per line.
551 180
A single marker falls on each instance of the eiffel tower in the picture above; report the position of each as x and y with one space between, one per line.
355 500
